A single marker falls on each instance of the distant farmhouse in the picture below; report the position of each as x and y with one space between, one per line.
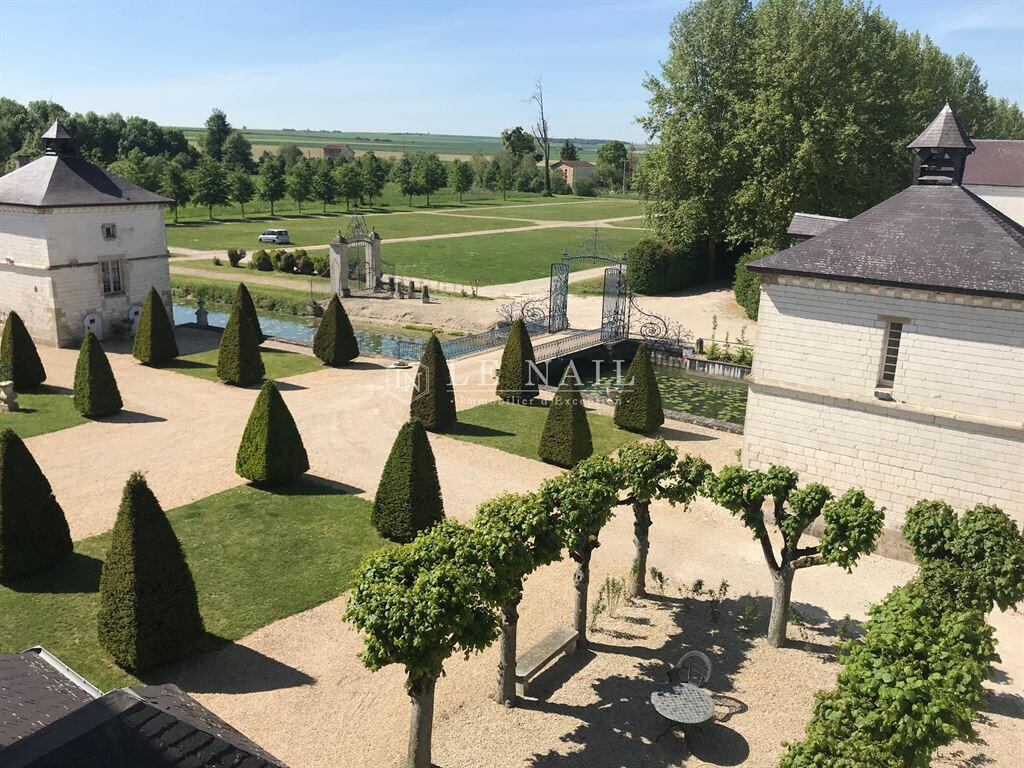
995 173
52 717
79 247
339 151
575 169
890 347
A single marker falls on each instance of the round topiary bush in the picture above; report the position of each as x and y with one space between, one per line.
335 341
516 377
287 263
34 534
433 396
566 439
155 344
96 393
239 361
271 452
149 612
638 408
19 352
244 299
304 265
408 497
262 261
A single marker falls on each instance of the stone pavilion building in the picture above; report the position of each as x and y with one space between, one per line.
890 347
79 247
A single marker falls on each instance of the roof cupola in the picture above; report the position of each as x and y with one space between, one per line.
941 151
58 140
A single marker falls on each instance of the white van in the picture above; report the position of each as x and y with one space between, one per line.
274 236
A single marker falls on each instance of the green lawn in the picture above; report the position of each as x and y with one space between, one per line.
314 229
240 274
279 364
592 286
271 298
517 428
504 258
570 209
256 557
42 412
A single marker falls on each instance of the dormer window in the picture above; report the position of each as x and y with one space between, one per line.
110 231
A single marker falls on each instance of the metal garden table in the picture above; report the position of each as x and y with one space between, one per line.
683 704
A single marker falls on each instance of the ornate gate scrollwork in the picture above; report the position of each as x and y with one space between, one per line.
558 305
615 304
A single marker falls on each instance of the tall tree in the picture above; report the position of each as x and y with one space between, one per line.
428 174
210 184
852 525
374 175
299 181
237 152
691 172
568 151
175 185
460 177
289 154
350 182
325 185
243 188
401 174
611 162
519 143
1005 120
271 180
541 134
217 131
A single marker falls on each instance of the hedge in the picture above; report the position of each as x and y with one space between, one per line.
746 285
96 394
280 300
155 344
566 439
149 612
271 452
19 352
239 361
515 382
335 341
657 267
34 534
638 408
408 497
433 396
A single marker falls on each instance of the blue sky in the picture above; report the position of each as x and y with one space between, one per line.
441 67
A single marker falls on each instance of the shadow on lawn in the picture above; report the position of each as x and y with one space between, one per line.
476 430
77 574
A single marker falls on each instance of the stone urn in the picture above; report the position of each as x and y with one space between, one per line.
8 397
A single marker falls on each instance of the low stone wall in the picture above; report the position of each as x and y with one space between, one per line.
700 365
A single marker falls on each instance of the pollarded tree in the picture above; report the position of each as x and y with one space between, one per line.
271 452
408 497
244 299
651 471
96 392
433 396
335 341
852 525
518 535
584 499
155 344
417 605
566 440
638 408
33 531
149 612
18 351
517 375
239 361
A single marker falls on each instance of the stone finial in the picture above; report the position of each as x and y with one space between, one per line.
8 397
202 315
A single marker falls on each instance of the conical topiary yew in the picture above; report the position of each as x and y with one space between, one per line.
239 361
433 397
154 337
639 405
96 393
19 352
566 439
335 342
271 452
244 299
33 531
516 377
149 612
408 498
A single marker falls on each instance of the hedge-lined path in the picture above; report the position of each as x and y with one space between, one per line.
297 687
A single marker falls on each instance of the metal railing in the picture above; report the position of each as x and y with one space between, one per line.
567 345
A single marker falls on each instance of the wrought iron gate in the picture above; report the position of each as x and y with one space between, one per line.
558 308
615 305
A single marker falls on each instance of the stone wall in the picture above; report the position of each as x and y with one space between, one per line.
953 430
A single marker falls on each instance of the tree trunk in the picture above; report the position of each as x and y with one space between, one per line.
243 210
782 590
421 724
641 526
211 212
271 207
581 583
506 692
711 259
175 214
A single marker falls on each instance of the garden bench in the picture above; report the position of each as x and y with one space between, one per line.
529 665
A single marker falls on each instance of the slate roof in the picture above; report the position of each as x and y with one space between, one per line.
69 180
943 132
996 162
942 238
811 224
53 725
573 163
57 131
